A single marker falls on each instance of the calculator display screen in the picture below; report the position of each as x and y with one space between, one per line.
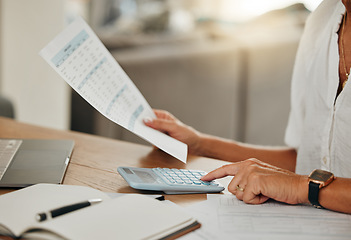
146 177
127 171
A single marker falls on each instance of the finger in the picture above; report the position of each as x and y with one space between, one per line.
240 194
160 124
237 183
148 121
226 170
253 193
232 187
236 189
253 198
162 114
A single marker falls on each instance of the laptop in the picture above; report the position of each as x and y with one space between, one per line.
25 162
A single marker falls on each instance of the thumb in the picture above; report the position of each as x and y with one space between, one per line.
162 125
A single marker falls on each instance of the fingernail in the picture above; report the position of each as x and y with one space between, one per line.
147 120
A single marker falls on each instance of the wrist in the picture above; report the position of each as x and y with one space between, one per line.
303 189
318 179
198 146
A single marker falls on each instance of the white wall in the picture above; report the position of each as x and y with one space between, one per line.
40 96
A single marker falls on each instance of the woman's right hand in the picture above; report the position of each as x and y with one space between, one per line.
170 125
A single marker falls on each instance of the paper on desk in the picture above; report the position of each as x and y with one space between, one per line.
225 217
86 65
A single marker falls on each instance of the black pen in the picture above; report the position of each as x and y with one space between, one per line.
65 209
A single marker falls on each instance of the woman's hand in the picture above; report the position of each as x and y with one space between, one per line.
170 125
255 182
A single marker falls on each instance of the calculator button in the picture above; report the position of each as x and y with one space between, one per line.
183 177
167 180
205 183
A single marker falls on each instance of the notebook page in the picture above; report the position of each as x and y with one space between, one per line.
127 217
86 65
19 208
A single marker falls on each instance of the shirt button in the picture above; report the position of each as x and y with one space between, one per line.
325 160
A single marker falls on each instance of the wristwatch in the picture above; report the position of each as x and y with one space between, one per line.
317 180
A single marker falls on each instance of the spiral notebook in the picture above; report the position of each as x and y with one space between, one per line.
131 216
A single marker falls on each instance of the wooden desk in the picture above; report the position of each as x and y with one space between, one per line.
95 159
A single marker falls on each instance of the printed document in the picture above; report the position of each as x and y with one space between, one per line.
81 59
223 216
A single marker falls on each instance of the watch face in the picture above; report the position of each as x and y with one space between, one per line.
320 175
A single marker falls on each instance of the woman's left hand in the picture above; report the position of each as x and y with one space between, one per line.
255 182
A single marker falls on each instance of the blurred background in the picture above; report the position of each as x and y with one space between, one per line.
221 66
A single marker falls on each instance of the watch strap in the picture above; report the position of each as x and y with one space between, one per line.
313 193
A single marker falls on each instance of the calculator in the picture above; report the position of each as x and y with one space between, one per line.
168 180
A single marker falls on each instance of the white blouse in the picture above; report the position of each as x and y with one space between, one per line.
319 125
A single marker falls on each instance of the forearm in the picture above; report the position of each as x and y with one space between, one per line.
232 151
336 196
